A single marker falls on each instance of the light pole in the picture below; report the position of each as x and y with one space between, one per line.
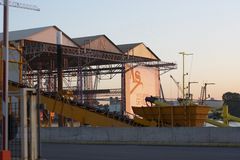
5 77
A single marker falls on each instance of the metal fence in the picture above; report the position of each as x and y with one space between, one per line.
14 134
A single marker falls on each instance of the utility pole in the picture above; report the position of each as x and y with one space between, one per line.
5 77
6 4
183 55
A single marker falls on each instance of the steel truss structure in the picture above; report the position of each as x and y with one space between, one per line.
79 66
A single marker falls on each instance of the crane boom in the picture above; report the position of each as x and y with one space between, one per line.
21 5
177 83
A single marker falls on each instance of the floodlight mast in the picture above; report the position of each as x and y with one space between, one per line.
6 4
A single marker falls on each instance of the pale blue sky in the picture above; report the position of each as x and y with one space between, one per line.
208 28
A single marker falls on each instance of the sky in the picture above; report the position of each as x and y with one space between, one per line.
210 29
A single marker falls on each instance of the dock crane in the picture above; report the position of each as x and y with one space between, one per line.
188 87
177 84
203 93
190 96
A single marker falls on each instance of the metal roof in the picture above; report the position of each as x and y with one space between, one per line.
127 47
85 40
81 41
23 34
153 53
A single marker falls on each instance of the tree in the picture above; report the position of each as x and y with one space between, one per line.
233 102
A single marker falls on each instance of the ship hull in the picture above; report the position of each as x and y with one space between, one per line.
182 116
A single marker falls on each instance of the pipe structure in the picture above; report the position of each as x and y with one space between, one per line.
225 114
228 117
216 123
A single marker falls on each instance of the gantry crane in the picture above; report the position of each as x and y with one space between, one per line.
203 93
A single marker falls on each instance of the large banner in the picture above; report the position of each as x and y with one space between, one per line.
140 83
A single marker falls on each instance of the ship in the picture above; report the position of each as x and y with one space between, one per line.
183 115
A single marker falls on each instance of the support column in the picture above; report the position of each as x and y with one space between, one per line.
38 117
79 82
123 89
55 83
59 73
50 81
24 125
34 141
28 123
59 62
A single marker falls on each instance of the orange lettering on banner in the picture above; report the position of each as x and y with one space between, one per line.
136 76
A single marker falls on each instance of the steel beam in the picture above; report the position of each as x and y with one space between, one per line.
33 49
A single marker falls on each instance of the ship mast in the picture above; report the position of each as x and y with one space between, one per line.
184 74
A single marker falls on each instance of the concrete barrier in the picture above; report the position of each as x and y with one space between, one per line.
153 136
